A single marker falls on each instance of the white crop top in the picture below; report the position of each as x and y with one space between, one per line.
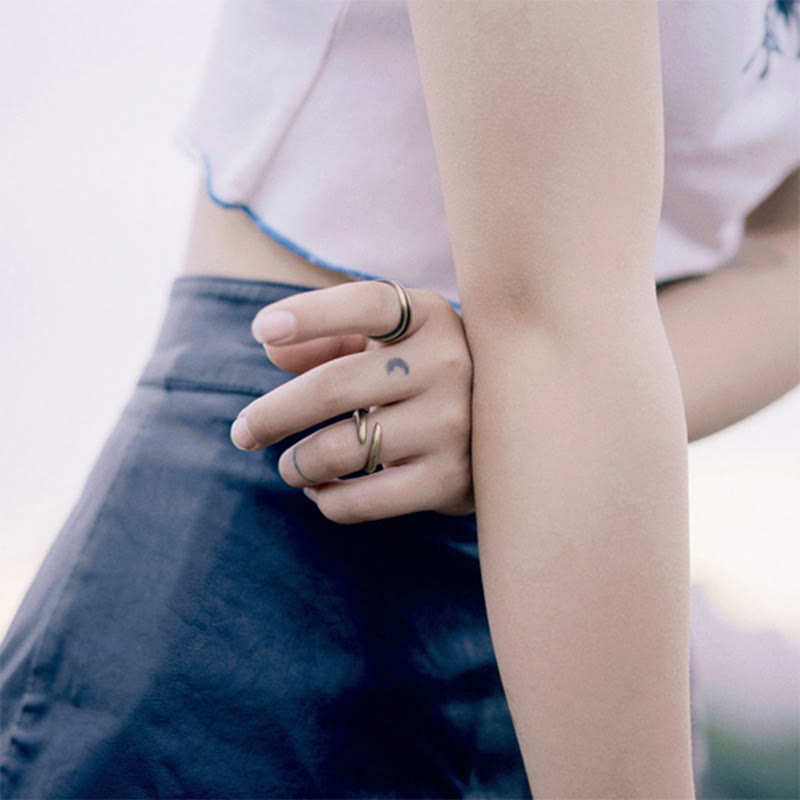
311 117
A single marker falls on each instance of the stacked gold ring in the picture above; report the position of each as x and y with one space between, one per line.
405 315
374 449
360 418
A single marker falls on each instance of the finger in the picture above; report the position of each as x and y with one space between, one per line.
370 308
392 492
306 356
335 451
329 390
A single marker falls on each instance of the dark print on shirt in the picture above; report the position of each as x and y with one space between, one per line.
777 13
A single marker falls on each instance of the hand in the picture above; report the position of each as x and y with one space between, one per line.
418 389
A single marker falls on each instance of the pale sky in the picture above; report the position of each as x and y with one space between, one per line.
94 204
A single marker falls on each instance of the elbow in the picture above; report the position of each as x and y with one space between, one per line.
570 322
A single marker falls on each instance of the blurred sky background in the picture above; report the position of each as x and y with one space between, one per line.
95 199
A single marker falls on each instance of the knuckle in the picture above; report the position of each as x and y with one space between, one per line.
329 388
455 423
438 308
330 453
380 303
453 481
457 476
436 302
356 507
457 364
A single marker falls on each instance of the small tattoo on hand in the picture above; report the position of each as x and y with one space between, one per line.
396 363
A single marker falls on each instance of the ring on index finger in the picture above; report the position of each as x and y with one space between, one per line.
400 330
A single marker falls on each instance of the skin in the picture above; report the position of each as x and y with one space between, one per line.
579 438
579 369
736 323
741 324
421 400
699 316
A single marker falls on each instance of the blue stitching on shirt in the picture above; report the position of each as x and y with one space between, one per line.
278 237
281 239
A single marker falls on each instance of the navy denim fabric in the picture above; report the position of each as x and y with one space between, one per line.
200 630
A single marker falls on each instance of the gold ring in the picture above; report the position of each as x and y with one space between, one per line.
360 417
405 315
374 449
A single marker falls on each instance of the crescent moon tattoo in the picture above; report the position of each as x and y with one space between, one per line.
396 363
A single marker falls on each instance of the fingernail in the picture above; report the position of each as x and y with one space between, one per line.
274 327
310 494
240 434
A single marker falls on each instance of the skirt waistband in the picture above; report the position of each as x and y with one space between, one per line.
205 341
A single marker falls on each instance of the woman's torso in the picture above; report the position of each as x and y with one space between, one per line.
225 242
312 130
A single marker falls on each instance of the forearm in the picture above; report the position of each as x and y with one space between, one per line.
546 117
582 513
735 334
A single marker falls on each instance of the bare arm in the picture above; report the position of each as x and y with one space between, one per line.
547 125
735 334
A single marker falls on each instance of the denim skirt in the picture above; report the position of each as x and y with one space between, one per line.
199 629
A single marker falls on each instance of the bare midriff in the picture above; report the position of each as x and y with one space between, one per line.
226 242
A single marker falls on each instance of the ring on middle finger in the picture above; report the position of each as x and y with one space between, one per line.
360 417
374 449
